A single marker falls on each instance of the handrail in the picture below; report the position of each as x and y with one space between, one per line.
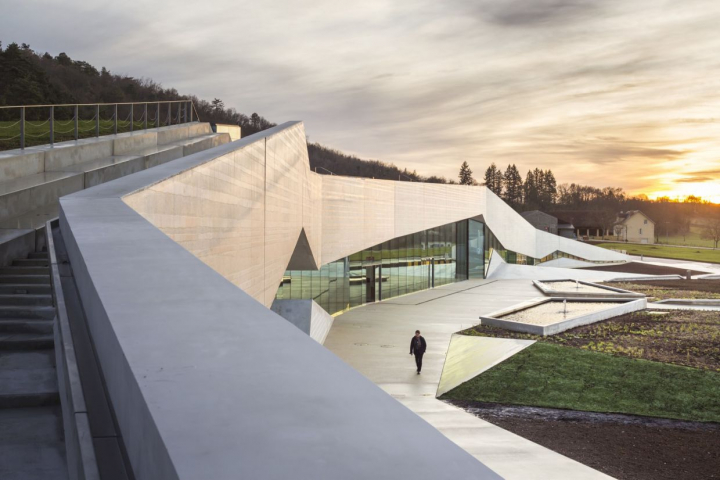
93 104
186 110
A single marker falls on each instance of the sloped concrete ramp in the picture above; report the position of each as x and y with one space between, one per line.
468 357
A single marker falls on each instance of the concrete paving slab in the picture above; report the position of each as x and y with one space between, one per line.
375 340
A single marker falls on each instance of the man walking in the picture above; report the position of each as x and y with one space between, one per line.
418 346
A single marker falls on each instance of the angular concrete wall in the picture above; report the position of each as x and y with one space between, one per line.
243 213
205 381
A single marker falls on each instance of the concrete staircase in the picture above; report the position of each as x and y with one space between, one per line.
32 180
32 442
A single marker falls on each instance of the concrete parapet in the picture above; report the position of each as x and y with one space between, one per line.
130 144
67 154
16 164
232 130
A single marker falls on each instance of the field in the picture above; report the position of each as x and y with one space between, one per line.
663 251
692 238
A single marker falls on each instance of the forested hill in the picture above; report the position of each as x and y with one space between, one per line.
28 77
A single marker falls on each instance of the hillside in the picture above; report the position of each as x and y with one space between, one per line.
28 77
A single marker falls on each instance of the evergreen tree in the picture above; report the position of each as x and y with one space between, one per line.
531 190
494 179
465 174
513 185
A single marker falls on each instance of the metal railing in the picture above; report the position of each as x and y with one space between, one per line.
121 117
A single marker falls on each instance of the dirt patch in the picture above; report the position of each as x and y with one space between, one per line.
624 446
681 337
664 289
644 269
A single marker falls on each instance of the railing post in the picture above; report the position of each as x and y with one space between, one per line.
52 125
146 116
169 113
191 112
97 120
157 116
116 121
178 114
132 117
186 112
75 118
22 128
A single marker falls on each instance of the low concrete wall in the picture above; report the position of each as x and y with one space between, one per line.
621 308
15 165
67 154
546 287
232 130
79 448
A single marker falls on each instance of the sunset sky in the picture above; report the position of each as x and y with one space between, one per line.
603 92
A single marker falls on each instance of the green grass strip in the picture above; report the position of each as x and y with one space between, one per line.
554 376
678 253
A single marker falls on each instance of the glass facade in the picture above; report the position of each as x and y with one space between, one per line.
434 257
408 264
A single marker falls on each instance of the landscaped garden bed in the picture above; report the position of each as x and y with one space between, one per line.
638 395
665 289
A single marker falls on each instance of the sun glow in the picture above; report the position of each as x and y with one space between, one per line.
709 191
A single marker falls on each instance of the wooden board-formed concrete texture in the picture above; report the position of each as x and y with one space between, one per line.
244 210
470 356
205 381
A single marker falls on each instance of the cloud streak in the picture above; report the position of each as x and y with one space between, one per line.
604 92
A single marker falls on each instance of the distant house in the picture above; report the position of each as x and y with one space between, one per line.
548 223
634 226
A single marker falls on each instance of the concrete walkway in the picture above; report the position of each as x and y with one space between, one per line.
375 340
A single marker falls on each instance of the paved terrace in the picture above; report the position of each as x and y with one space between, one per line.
375 340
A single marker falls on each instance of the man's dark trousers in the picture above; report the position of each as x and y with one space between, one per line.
418 360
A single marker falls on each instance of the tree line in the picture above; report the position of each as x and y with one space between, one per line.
596 208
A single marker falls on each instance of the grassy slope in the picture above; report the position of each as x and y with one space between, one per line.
692 238
659 251
554 376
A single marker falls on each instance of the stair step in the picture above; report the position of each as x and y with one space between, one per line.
14 270
26 341
22 289
25 279
37 255
19 325
31 262
28 379
25 299
26 311
33 444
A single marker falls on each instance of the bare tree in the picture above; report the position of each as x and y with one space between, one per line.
711 230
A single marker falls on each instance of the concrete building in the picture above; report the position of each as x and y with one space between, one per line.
163 280
634 226
549 223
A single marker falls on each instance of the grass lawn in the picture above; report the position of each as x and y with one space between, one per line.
38 131
556 376
661 251
691 238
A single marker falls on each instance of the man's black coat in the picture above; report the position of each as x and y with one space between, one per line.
418 351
